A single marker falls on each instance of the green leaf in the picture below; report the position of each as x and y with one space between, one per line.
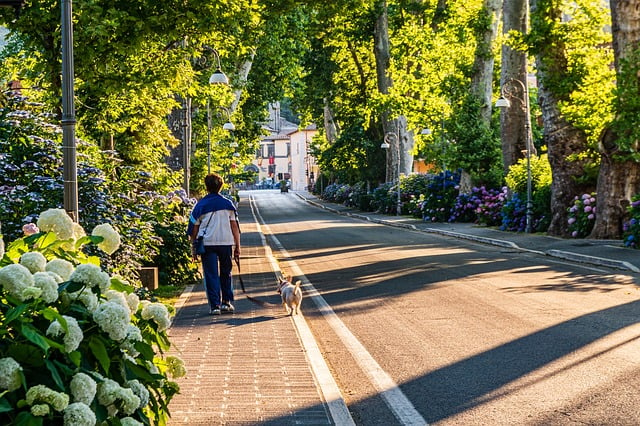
15 312
70 286
54 374
26 354
134 371
53 315
145 350
120 285
75 357
25 418
100 352
5 406
47 240
33 335
88 239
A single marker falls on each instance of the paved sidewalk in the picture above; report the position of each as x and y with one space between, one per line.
246 368
610 253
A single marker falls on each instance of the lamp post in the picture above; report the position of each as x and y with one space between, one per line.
218 77
391 138
68 121
507 92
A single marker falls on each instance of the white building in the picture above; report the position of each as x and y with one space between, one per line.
284 154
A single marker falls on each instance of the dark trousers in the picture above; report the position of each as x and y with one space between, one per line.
216 264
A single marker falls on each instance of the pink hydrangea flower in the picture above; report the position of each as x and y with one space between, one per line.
30 229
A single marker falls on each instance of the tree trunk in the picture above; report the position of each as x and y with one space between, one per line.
330 126
619 177
243 74
562 138
482 82
514 67
399 157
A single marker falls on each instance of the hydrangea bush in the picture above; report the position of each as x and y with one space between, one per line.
582 215
150 223
78 346
440 196
631 228
489 211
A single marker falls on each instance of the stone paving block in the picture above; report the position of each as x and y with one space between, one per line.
247 368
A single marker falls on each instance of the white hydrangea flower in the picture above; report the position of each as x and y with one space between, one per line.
83 388
88 298
130 401
41 393
61 267
117 297
79 414
175 367
140 390
110 392
56 221
133 301
15 279
1 247
10 378
34 261
159 313
91 276
111 238
48 284
31 293
72 338
57 278
78 231
130 421
40 410
133 335
113 319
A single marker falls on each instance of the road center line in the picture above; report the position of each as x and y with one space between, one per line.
395 399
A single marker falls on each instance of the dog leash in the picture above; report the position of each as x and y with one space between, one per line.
252 299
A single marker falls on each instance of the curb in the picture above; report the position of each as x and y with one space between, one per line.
575 257
583 258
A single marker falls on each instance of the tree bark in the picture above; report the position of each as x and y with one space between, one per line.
561 137
399 157
514 67
619 176
482 81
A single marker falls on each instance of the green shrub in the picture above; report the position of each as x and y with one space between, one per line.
74 341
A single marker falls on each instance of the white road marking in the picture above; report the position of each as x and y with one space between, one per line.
395 399
326 383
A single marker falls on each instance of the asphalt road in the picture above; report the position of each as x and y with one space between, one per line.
421 328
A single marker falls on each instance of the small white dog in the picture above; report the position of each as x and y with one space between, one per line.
291 295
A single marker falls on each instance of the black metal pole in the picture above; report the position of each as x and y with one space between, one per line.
68 115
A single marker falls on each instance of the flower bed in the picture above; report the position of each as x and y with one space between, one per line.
77 346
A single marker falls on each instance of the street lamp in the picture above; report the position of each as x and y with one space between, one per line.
218 77
391 138
506 93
